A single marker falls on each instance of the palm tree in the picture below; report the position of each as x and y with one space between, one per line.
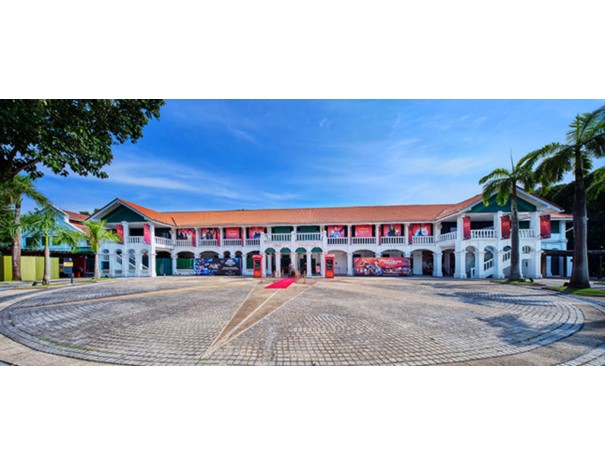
11 195
585 141
503 183
42 223
95 233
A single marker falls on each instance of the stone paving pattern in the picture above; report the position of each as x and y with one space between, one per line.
346 321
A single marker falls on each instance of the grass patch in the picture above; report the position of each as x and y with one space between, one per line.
517 283
590 292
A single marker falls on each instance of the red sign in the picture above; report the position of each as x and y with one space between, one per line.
337 231
255 232
505 226
545 226
146 233
466 227
186 235
393 266
120 232
232 233
392 230
364 230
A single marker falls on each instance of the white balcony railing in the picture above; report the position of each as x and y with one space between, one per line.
135 240
164 241
279 237
394 240
488 264
423 239
232 242
184 243
208 243
483 234
338 240
252 242
308 237
448 237
364 240
527 233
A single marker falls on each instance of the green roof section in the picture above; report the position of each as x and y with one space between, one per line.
123 213
493 207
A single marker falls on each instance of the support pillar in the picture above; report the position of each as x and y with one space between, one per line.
437 265
278 264
264 267
349 264
322 258
548 266
269 265
293 261
309 265
174 256
460 265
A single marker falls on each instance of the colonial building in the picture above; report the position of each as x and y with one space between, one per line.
463 240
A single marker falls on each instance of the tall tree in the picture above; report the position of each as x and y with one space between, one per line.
585 142
43 224
64 135
503 184
11 196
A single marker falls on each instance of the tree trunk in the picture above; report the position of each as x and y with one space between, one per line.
17 243
97 274
46 279
515 265
579 272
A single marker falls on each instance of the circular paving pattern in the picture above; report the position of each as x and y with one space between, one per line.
346 321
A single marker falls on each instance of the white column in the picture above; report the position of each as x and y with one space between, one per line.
498 224
269 265
499 265
459 232
568 273
479 261
322 264
350 271
152 271
138 264
549 266
293 260
535 265
112 264
437 268
174 256
263 266
173 236
244 260
309 263
561 266
460 264
278 264
152 252
126 231
436 233
406 230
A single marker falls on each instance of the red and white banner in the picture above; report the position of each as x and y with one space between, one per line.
232 233
505 226
419 229
146 233
120 232
337 231
255 232
364 230
186 235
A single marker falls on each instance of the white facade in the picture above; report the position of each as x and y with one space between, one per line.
486 254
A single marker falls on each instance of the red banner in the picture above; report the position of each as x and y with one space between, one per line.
364 230
393 266
232 233
209 234
466 228
186 235
255 232
146 233
120 232
545 226
392 230
505 226
337 231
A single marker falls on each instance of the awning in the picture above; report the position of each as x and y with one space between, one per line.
270 251
301 250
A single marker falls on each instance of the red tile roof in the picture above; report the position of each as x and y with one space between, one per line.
76 216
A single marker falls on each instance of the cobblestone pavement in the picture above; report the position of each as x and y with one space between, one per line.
345 321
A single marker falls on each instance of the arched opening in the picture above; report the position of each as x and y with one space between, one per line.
145 262
249 258
185 262
163 263
209 254
448 262
132 261
226 254
471 263
392 253
341 264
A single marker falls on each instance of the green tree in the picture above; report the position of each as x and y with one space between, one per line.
585 142
42 224
95 234
503 184
11 197
68 134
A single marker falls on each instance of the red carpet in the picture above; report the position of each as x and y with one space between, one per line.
281 284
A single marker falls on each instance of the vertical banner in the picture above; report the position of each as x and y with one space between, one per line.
209 234
505 226
545 226
255 232
337 231
232 233
147 233
363 230
466 228
120 233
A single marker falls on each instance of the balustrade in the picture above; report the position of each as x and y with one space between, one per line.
423 239
364 240
448 237
483 234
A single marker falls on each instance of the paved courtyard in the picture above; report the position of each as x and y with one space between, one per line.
345 321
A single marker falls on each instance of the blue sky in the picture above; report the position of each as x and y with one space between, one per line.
248 154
